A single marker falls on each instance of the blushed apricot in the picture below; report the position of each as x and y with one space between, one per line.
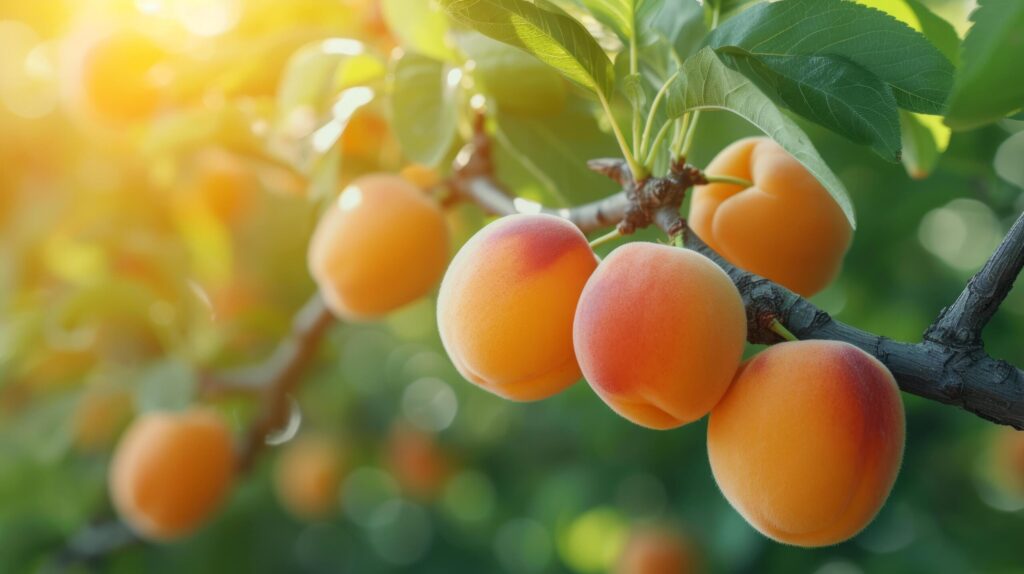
506 306
786 227
171 471
381 245
657 550
808 441
659 333
308 477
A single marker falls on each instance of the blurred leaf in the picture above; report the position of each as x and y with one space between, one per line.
308 84
420 26
167 385
423 107
554 37
1009 162
918 74
827 90
990 85
708 84
517 81
924 140
633 88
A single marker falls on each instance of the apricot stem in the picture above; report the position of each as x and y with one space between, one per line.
779 329
606 238
728 179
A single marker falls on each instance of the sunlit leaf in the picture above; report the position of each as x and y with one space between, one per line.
924 140
423 107
420 26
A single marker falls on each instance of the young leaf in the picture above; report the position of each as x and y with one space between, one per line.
918 74
553 36
990 84
423 109
515 80
830 91
419 26
708 84
619 15
924 140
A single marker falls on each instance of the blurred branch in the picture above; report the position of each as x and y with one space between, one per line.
949 366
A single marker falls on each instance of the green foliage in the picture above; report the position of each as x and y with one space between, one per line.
989 84
420 26
708 84
551 35
424 107
874 63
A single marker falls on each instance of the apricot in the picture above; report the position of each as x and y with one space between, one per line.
659 333
808 441
421 176
171 471
116 76
223 184
308 476
417 462
657 550
786 227
381 245
506 305
1007 457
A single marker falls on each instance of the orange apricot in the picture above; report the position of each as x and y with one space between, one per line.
381 245
659 333
116 76
223 184
421 176
808 441
786 227
506 305
657 550
308 477
417 462
171 471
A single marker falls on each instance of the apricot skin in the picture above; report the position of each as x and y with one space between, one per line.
171 471
381 245
308 476
786 227
808 441
659 333
507 302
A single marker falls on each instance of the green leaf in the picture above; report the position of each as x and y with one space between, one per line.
925 138
708 84
423 110
420 26
553 36
308 82
830 91
516 81
918 74
619 15
167 385
938 31
990 84
633 88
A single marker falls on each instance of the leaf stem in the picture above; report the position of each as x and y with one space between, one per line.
606 238
638 171
781 330
684 150
645 151
728 179
634 67
662 133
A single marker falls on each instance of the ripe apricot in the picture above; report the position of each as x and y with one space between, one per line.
308 476
657 550
116 76
506 306
807 443
381 245
222 183
659 333
171 471
417 461
786 227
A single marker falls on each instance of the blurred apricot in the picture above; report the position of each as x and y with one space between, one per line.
366 134
657 550
786 227
659 333
171 471
507 302
381 245
417 462
223 183
308 477
808 441
423 177
1008 460
101 413
116 79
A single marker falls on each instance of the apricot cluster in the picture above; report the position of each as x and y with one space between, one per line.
171 471
381 245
